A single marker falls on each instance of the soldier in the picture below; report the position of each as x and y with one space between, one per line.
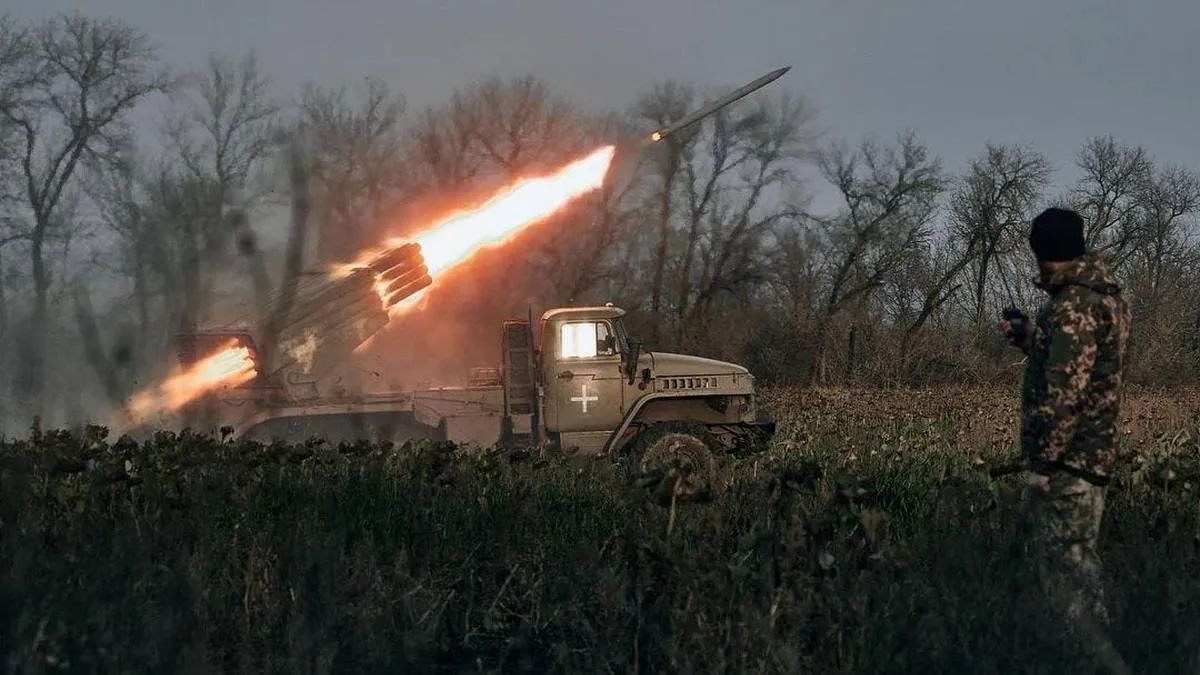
1069 411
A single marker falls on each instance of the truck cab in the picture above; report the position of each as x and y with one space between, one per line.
599 390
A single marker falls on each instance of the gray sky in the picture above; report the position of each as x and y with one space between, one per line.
1047 73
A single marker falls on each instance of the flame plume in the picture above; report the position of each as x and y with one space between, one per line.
230 366
454 239
528 201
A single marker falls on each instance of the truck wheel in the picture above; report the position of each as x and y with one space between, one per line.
675 461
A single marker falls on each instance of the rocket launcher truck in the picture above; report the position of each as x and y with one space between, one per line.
576 381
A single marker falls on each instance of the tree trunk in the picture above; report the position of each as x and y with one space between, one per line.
664 237
851 344
93 349
189 315
299 173
981 287
33 382
685 276
816 373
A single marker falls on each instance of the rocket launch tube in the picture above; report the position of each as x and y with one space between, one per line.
330 315
407 290
405 278
316 295
395 257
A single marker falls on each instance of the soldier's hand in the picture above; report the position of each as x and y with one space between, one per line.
1015 326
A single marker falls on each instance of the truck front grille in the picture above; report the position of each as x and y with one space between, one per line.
697 382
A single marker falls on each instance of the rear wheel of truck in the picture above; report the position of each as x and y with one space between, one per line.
674 461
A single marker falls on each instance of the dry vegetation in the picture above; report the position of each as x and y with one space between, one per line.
867 540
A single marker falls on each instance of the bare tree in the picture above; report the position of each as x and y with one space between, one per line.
442 145
93 348
179 205
120 200
519 126
889 198
224 123
715 194
1160 276
498 131
795 267
1109 196
222 132
85 76
989 209
1168 199
515 126
356 163
743 186
169 244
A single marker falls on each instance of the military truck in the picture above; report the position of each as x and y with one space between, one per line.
576 381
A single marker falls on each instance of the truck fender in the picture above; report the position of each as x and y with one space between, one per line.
611 445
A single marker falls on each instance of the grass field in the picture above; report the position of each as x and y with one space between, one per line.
868 539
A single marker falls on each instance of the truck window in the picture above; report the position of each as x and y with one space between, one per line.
587 340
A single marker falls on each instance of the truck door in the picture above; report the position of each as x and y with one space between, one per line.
584 386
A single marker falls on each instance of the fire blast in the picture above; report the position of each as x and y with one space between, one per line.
230 366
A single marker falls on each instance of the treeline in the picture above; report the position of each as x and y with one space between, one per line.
117 236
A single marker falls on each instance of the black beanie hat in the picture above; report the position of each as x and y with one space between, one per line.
1057 235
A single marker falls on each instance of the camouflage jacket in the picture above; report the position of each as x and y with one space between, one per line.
1073 378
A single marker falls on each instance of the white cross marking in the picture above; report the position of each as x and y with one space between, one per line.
584 398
